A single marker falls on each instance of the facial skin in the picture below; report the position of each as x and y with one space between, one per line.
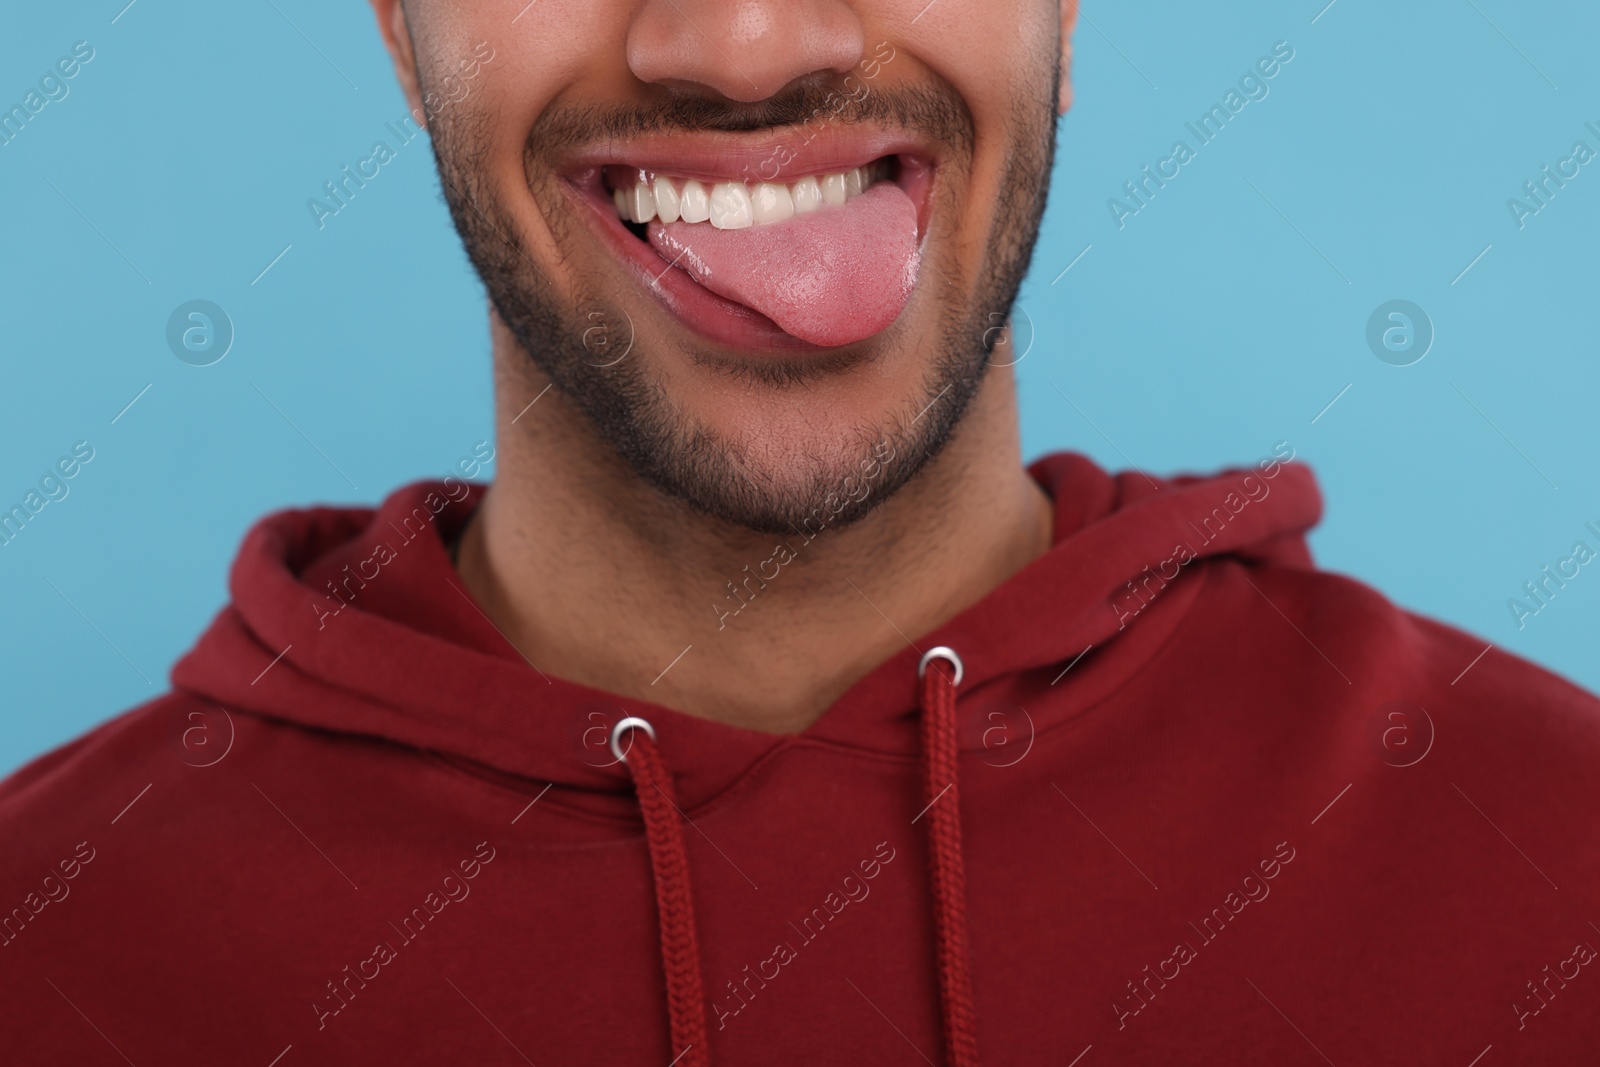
742 439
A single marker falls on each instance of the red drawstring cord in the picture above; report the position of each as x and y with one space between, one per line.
940 750
669 864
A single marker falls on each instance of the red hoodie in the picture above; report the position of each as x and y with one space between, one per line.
1205 804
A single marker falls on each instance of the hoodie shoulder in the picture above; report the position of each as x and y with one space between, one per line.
1466 692
68 785
1507 692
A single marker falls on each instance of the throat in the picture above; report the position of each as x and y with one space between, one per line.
755 631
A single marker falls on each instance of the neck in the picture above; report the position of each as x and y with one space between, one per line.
600 579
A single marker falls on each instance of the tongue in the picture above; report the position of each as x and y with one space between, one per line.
830 277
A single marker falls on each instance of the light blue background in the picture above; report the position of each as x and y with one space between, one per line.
1224 317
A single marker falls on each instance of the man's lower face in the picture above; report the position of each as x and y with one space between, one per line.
773 311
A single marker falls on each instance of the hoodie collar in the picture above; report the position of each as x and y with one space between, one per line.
353 620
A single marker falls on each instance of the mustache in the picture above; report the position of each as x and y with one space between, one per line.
933 110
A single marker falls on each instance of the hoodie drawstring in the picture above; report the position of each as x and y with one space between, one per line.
669 864
936 692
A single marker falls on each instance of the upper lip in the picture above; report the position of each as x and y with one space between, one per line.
784 154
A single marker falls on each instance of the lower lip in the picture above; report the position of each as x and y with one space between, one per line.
699 309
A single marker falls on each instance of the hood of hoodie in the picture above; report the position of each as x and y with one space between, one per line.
353 620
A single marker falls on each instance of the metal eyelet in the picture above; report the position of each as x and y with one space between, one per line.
943 652
631 722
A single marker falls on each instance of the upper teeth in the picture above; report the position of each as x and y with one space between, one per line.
735 205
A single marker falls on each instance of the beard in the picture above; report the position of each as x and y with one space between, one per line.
745 481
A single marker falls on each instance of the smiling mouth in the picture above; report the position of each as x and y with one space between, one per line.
641 197
823 256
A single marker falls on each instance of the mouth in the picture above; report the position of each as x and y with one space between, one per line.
753 244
